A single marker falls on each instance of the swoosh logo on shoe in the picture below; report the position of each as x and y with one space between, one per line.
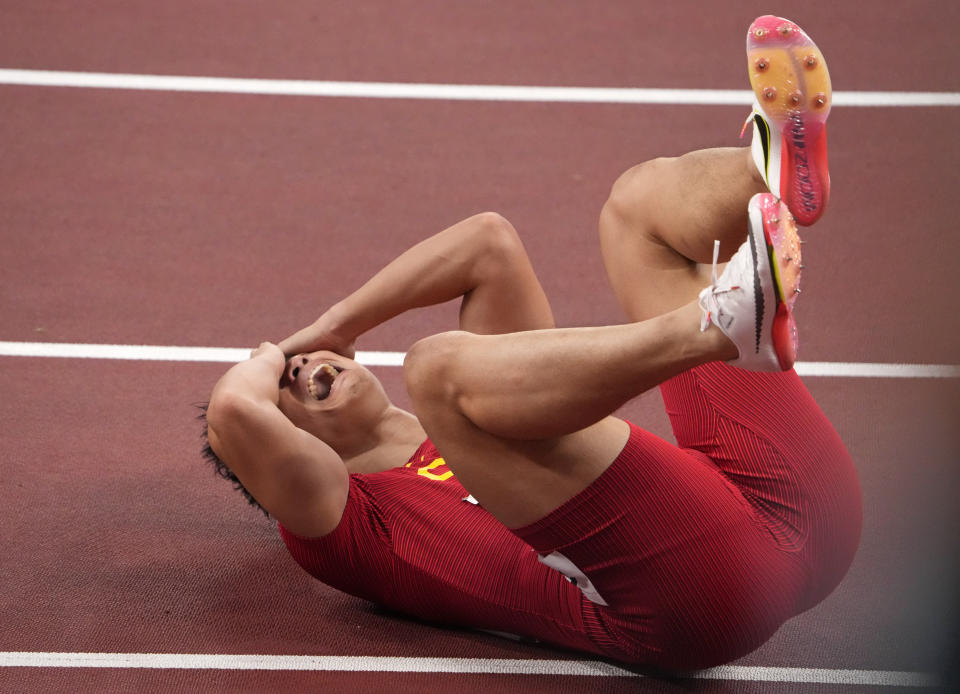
757 291
764 142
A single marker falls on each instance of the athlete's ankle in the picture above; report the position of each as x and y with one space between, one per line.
723 348
710 344
755 175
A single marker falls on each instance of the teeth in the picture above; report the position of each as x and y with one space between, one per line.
329 371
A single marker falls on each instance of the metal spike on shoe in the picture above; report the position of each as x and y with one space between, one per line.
792 86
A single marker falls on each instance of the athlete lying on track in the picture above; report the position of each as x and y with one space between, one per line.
669 556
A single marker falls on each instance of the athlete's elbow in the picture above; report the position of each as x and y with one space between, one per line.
227 410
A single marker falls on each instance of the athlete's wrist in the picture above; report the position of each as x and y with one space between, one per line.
267 365
270 355
341 323
339 329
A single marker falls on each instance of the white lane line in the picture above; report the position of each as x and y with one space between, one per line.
876 370
195 661
469 92
232 355
229 355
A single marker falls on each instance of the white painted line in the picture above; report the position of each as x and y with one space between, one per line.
876 370
231 355
472 666
132 352
469 92
882 678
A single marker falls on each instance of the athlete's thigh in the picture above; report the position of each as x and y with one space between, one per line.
683 573
519 482
471 571
658 542
766 433
657 229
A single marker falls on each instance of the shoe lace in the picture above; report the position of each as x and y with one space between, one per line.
746 123
707 316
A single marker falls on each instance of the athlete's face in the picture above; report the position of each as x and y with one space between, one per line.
332 397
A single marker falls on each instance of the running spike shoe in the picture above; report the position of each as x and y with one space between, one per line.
752 301
791 84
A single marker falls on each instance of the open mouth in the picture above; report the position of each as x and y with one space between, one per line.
321 380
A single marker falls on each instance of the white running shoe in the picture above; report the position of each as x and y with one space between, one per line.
791 83
752 301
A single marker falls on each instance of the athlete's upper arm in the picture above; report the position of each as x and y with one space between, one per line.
296 477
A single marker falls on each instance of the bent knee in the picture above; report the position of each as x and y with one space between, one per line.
632 209
500 244
638 183
428 368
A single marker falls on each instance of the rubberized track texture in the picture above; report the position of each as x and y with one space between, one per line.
216 218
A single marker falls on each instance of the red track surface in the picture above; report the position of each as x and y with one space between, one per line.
219 220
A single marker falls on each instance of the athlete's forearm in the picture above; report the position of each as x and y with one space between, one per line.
434 271
446 266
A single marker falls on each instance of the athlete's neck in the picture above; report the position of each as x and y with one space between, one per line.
395 438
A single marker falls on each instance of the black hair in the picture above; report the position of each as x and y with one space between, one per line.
219 467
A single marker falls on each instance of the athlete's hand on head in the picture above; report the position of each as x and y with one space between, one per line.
269 352
321 334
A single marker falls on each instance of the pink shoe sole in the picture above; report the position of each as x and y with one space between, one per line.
783 250
792 86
